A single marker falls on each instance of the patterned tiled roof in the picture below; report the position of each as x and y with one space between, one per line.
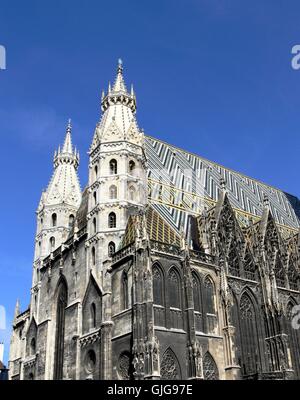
182 183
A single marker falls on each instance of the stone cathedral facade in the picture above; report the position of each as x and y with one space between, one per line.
166 266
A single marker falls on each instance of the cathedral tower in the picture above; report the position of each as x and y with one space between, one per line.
58 204
117 174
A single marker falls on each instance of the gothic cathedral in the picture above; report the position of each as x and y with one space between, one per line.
166 266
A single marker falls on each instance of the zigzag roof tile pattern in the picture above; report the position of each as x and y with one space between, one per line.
182 183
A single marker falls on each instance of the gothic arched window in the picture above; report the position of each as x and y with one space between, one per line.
113 167
209 305
60 329
112 220
197 296
95 172
174 289
71 221
52 243
132 193
54 219
93 255
131 166
95 198
93 315
248 335
111 249
124 291
94 225
158 286
113 193
169 367
209 296
210 369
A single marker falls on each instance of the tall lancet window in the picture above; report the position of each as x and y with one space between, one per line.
94 225
209 305
131 166
62 295
93 255
52 243
71 221
111 249
113 167
54 219
158 286
174 289
112 220
95 172
124 291
93 315
249 335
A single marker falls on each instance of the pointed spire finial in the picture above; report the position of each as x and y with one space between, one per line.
67 147
17 308
120 65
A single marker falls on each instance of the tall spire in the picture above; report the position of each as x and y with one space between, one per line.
66 155
118 94
67 147
119 85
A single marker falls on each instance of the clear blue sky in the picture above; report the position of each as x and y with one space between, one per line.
211 76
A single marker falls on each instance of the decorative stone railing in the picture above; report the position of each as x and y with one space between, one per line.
202 257
165 248
127 250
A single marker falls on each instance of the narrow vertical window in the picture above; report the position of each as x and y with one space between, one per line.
158 290
113 167
93 315
71 221
95 198
95 172
112 221
111 249
174 289
249 336
131 166
124 291
94 225
54 219
52 243
93 256
60 330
